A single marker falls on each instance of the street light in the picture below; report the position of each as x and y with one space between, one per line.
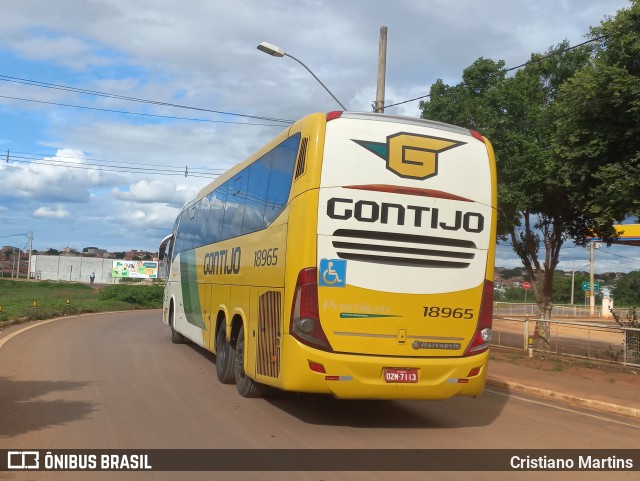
573 275
276 51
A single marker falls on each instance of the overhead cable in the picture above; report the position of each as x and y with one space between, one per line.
96 93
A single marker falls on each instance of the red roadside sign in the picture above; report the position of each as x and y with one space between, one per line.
526 285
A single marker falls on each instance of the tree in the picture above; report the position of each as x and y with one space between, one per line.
510 273
597 131
534 212
566 131
627 290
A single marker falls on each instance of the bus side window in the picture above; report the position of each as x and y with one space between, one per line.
216 201
284 161
257 195
179 242
234 208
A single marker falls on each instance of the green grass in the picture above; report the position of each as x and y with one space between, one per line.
17 298
557 365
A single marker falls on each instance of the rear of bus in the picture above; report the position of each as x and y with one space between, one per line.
399 302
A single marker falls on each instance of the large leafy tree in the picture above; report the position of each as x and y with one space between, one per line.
627 290
515 113
597 124
548 190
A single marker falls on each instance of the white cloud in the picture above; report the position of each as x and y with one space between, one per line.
130 217
66 177
67 51
155 191
46 212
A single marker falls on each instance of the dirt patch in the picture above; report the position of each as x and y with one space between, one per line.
571 366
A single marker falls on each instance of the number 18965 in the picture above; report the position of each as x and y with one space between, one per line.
446 312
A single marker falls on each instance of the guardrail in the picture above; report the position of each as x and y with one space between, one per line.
531 309
599 340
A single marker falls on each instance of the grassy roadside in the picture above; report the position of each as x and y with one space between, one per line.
17 298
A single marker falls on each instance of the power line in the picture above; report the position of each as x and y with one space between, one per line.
55 157
15 235
107 168
534 60
618 255
67 88
172 117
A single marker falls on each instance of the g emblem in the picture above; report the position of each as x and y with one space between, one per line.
409 155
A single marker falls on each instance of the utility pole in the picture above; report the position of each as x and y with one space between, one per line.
18 269
30 252
573 276
382 68
592 297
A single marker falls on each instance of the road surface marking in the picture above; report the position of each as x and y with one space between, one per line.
602 418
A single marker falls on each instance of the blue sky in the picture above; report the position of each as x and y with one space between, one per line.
87 177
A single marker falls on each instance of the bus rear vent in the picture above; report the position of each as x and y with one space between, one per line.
404 250
269 309
302 158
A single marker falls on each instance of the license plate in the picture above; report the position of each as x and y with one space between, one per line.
392 374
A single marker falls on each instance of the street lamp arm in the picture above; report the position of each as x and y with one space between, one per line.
276 51
315 77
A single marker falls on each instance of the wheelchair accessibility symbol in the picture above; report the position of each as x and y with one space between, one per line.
333 273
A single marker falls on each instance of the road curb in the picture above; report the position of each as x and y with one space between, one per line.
568 398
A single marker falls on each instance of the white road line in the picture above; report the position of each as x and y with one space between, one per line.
602 418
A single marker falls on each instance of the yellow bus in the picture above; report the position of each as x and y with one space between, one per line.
352 255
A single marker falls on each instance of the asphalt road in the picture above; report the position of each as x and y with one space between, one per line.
115 381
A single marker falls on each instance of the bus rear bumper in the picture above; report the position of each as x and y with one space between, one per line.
349 376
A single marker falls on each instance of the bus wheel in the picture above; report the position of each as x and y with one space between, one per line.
247 387
176 337
225 357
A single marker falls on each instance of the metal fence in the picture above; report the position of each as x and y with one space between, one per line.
559 310
599 340
631 345
531 309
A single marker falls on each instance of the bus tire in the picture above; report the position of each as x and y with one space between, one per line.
247 387
225 357
176 337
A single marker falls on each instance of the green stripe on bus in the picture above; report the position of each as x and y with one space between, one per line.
190 294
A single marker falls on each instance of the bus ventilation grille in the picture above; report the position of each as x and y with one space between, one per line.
405 250
269 309
302 158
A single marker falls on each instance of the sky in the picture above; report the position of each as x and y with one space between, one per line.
183 90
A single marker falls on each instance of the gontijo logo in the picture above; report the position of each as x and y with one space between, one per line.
410 155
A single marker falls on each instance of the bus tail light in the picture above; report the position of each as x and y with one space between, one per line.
477 135
336 114
305 317
482 337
